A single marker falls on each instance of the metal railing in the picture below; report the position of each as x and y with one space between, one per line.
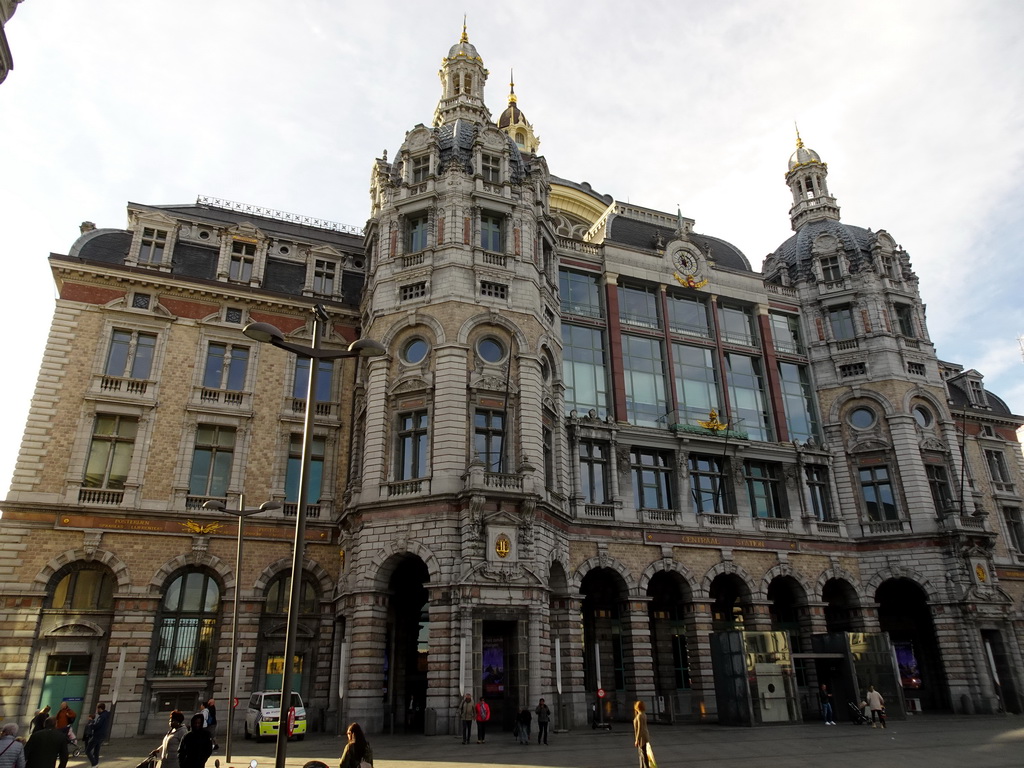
273 213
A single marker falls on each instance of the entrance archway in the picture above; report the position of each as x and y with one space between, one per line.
842 609
671 642
730 600
407 644
603 591
904 613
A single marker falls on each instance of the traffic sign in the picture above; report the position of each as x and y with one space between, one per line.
600 693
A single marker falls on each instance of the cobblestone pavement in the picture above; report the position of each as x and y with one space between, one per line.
924 741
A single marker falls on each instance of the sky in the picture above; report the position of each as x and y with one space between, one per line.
917 106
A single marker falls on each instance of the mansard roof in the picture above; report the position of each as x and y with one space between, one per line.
797 252
643 234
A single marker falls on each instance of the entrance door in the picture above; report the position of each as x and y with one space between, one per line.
499 672
275 673
771 693
67 677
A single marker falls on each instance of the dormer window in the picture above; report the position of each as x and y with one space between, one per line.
153 243
243 256
323 277
490 168
830 269
420 169
976 391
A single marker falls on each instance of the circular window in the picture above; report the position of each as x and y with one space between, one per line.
862 418
490 349
414 351
204 235
922 416
284 250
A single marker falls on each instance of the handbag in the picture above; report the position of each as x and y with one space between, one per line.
651 762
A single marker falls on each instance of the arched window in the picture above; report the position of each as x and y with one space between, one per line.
83 588
185 638
280 590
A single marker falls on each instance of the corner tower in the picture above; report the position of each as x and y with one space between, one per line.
452 507
807 178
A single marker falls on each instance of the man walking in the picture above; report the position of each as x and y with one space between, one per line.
46 746
825 699
466 714
543 718
100 729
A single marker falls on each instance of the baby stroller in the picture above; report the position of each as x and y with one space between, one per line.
857 713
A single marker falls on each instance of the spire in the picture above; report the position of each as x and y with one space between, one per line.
514 123
462 84
807 179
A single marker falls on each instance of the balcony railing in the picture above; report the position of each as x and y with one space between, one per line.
716 520
659 515
110 384
196 502
881 527
325 410
494 259
847 344
408 487
503 482
828 528
606 511
99 496
291 509
773 524
222 397
413 260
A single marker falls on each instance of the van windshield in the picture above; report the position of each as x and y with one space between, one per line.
273 700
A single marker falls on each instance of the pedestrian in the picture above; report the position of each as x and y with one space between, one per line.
641 737
543 718
196 746
39 719
65 717
877 706
166 754
483 714
466 713
524 721
211 722
46 746
825 699
100 730
357 753
12 751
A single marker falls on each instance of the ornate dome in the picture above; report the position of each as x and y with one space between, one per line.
463 49
803 156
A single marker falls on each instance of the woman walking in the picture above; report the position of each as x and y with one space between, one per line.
641 736
357 750
166 755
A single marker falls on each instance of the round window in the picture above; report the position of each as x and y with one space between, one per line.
922 416
414 351
490 349
862 418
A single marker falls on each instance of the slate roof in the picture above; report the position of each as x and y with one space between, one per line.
642 234
796 254
961 401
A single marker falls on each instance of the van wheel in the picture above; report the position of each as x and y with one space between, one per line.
247 734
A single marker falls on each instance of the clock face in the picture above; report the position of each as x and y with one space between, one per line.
685 262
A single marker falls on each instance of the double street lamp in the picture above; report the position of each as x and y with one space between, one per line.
241 513
267 333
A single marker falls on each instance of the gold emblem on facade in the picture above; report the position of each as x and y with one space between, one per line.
982 574
193 527
502 545
713 423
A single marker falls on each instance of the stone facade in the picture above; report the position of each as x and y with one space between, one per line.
601 449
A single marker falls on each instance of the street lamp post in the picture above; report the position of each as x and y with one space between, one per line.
241 513
267 333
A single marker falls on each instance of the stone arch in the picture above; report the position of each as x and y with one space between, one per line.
667 564
920 393
840 403
727 567
116 565
893 571
385 557
76 628
225 575
780 570
411 321
496 319
604 561
323 579
839 574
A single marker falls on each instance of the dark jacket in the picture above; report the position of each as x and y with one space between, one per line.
46 746
195 749
349 758
101 725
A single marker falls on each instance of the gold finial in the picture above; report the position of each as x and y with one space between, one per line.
713 423
465 36
511 87
799 141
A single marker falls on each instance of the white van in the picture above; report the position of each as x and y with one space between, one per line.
264 712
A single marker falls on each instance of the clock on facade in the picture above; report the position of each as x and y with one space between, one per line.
685 262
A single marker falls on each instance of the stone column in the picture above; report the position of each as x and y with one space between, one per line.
699 627
368 620
636 630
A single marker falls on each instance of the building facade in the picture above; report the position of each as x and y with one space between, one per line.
605 459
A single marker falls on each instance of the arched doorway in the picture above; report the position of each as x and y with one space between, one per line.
842 606
904 613
604 655
671 643
405 659
730 602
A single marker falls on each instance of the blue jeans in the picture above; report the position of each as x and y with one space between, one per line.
826 711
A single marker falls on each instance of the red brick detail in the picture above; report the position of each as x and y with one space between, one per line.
517 236
89 294
867 320
467 230
190 309
285 323
394 243
440 229
821 328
